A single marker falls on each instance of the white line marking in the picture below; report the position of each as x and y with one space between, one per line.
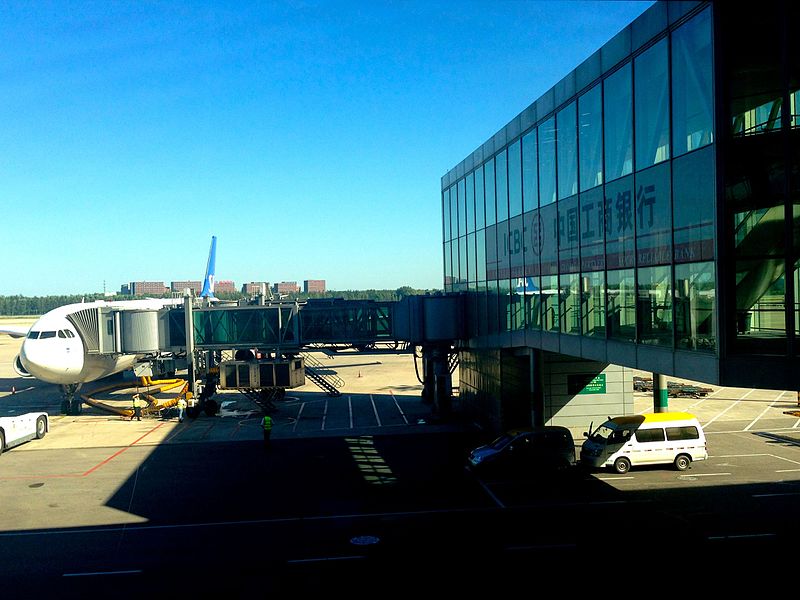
323 559
324 415
402 414
92 574
350 408
297 418
741 536
375 410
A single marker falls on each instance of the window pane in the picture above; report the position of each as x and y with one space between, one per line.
654 305
652 106
446 214
619 218
462 208
550 303
593 304
570 303
481 255
448 268
470 203
488 176
492 261
530 175
692 104
534 240
695 306
471 258
533 302
693 206
621 310
516 247
590 131
653 216
547 161
480 211
453 212
567 132
515 179
501 185
549 243
618 123
491 306
505 307
568 243
462 259
592 230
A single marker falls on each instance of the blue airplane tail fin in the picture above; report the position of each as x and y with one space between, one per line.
208 281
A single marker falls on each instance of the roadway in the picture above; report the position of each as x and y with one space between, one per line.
367 493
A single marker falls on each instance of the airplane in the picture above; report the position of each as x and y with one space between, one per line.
54 352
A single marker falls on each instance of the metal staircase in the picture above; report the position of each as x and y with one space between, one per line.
327 382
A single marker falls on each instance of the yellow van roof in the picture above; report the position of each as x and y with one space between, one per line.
652 418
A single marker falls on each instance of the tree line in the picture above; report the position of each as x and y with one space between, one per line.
22 306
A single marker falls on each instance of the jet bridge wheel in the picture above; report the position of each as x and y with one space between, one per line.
210 407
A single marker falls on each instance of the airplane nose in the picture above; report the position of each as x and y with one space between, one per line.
49 363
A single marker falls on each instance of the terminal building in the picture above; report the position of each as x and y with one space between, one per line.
644 213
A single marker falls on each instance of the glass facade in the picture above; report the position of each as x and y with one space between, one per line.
598 220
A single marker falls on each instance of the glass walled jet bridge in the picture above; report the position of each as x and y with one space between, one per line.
264 350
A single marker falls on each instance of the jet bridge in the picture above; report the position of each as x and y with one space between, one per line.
263 349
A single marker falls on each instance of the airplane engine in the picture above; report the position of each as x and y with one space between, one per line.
21 371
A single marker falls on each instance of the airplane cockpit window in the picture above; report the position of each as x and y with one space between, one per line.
69 333
61 333
47 334
32 335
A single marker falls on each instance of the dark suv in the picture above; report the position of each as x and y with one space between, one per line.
528 451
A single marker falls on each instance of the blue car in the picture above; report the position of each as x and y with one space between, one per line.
524 452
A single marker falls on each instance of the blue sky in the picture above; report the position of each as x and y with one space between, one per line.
309 137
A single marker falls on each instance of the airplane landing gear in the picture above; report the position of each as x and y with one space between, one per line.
71 405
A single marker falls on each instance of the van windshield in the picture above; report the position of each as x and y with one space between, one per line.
611 435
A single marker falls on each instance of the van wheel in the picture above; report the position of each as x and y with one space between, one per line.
622 465
682 462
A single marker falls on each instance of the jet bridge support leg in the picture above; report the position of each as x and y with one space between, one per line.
660 393
437 381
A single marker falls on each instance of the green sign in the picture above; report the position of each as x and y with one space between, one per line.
586 384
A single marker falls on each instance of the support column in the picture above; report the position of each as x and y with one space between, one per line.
437 381
660 393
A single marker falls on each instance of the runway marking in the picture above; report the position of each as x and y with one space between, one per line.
763 412
324 416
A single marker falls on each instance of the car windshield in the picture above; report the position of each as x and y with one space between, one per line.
501 442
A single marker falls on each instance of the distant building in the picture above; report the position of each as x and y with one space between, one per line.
225 286
125 289
179 286
254 287
287 287
147 288
314 286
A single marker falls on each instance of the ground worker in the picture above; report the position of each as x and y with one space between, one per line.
266 423
138 405
181 409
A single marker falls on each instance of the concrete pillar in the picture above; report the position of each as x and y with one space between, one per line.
660 393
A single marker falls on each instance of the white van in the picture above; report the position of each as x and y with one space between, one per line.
651 439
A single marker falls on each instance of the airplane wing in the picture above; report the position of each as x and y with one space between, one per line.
15 331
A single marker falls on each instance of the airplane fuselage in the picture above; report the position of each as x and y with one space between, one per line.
54 352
